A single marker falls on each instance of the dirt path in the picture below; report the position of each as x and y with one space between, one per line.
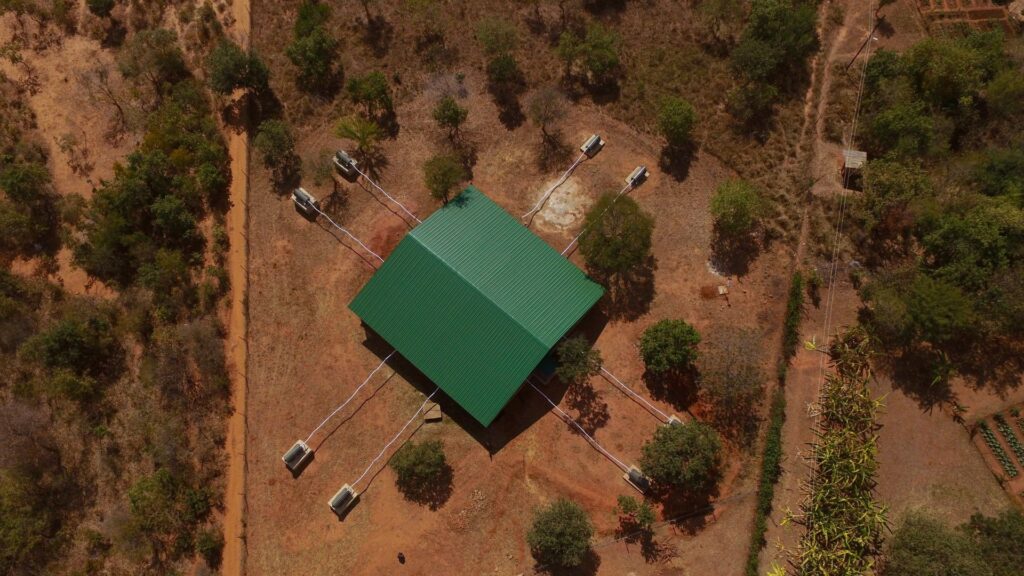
234 497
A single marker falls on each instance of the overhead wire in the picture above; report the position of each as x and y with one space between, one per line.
612 378
589 438
351 396
389 197
559 182
599 216
346 232
395 438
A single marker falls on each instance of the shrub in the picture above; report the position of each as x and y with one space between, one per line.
449 115
497 36
685 457
560 535
597 53
210 545
668 346
442 174
228 67
617 235
577 360
771 469
675 120
636 518
372 91
417 464
737 208
276 146
315 56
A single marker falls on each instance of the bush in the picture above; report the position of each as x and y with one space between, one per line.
771 469
617 235
685 457
669 346
228 67
372 91
560 535
442 174
26 523
577 360
312 16
497 36
675 120
737 208
315 56
417 465
597 53
636 518
210 545
276 146
449 115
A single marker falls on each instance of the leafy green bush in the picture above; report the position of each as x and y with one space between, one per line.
577 360
560 535
441 174
617 235
449 115
419 466
684 457
596 53
371 91
737 208
668 346
675 120
228 67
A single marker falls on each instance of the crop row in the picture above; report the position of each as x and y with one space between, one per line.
997 450
1011 438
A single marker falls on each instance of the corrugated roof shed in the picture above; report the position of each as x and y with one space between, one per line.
475 301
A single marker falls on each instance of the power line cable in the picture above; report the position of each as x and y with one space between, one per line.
346 232
349 399
393 440
389 197
612 378
559 182
590 438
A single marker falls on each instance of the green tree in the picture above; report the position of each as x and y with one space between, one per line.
100 8
441 174
315 56
779 36
228 67
686 456
636 518
83 344
503 74
577 360
669 346
616 235
312 16
364 133
922 545
497 36
967 248
153 56
560 535
737 208
675 120
1000 172
26 523
596 53
420 466
276 146
450 116
1005 94
371 91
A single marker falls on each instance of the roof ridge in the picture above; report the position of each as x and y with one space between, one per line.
479 291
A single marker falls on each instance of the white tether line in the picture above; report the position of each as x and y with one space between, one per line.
601 215
590 438
349 399
559 182
374 184
633 394
393 440
346 232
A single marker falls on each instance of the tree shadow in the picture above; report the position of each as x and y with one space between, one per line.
510 111
678 388
553 151
733 255
433 493
676 160
604 7
688 510
628 294
115 34
592 411
606 92
378 35
589 567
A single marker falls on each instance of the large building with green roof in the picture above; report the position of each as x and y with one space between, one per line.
475 301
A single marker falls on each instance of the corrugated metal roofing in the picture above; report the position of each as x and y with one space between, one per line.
475 301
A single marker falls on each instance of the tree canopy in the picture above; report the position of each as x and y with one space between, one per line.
684 457
577 360
668 346
676 119
617 235
228 67
441 174
737 207
560 535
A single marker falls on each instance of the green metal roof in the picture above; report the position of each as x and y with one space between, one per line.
475 301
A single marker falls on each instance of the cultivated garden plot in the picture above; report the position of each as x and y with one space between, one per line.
1000 438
